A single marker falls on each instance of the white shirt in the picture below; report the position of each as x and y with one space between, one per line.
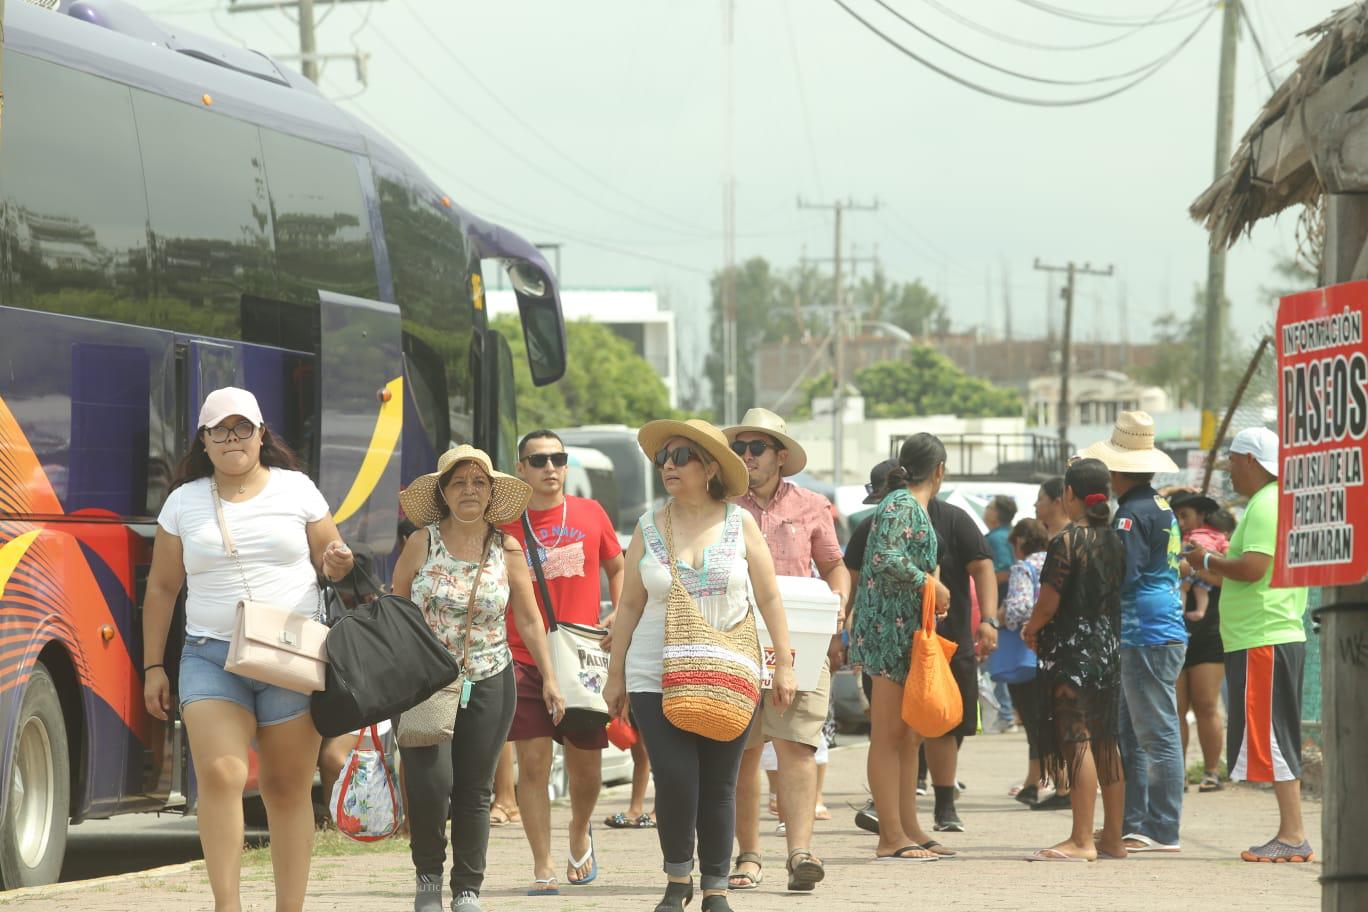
269 530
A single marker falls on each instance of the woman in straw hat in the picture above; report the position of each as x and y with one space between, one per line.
461 506
719 554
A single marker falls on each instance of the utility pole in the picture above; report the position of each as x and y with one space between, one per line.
308 56
1216 256
838 331
1072 272
730 347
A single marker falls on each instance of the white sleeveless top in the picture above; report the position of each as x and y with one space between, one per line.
721 589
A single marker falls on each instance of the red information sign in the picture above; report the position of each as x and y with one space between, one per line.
1322 426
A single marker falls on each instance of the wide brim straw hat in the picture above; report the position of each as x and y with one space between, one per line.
735 477
763 421
1131 447
507 500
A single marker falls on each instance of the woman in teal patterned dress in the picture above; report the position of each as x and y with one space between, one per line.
888 610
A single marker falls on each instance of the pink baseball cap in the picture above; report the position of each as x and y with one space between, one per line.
230 400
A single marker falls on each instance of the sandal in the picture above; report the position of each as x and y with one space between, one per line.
621 821
1211 782
750 881
502 816
821 813
806 874
646 821
544 886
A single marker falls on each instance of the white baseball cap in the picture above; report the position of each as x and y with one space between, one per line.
1261 443
230 400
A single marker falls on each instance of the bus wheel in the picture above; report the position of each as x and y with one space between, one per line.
38 807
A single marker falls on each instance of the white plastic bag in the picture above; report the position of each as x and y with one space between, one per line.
365 804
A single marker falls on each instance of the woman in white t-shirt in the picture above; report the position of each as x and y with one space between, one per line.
285 537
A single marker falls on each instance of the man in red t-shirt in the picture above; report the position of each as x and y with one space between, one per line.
575 539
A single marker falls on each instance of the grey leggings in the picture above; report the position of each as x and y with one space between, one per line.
456 781
695 787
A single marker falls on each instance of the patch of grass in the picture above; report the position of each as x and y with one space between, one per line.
328 843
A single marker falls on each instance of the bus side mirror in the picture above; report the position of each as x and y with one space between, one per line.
542 321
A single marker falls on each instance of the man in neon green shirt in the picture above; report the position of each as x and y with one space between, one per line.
1265 644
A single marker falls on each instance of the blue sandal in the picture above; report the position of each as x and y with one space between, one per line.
577 863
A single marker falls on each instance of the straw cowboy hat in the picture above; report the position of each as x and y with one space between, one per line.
506 502
1131 447
763 421
735 477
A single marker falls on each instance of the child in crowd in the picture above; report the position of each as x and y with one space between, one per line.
1195 518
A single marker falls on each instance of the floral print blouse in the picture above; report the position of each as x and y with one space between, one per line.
888 602
442 590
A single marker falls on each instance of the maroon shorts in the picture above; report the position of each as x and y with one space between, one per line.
531 720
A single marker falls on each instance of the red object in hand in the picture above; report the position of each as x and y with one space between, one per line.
622 735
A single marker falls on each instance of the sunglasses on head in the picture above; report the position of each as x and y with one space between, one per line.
539 460
680 456
754 447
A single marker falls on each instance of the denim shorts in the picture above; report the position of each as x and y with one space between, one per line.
202 677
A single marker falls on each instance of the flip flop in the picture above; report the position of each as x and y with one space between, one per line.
903 854
544 886
1149 845
822 813
1108 856
505 817
1052 855
937 848
577 863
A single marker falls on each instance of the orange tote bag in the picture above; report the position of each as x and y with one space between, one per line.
931 703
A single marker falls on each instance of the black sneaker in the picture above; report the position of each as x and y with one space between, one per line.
949 822
1055 802
867 818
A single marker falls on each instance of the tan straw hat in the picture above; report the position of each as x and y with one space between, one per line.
1131 447
735 477
506 502
763 421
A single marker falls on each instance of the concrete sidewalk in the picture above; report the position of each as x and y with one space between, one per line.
988 875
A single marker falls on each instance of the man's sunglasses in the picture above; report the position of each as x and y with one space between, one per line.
680 456
755 447
539 460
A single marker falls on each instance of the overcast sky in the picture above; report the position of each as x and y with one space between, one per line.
625 156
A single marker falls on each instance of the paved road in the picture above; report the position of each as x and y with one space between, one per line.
988 876
133 842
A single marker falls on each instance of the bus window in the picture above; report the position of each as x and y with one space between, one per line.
428 257
322 229
210 215
72 183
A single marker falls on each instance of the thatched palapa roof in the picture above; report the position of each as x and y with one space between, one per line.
1275 167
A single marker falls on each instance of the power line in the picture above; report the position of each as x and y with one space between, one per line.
1021 99
1258 46
802 96
1025 43
1009 72
508 147
545 140
1110 21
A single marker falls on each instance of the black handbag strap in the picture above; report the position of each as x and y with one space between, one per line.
534 557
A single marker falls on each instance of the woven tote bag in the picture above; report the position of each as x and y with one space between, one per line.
711 678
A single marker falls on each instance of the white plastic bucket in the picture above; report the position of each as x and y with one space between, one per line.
813 611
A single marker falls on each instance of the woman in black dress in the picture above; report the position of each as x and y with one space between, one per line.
1075 631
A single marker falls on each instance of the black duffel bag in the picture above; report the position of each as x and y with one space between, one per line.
382 659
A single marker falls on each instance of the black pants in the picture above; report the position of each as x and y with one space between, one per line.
456 782
695 787
1026 700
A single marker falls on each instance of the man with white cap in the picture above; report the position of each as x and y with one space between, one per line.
1265 643
798 527
1153 635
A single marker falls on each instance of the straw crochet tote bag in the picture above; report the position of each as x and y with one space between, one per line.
711 678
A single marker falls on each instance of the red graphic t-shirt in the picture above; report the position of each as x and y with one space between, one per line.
571 552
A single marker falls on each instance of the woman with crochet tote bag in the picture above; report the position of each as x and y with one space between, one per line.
685 650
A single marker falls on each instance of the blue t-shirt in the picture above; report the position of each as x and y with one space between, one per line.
1151 602
1001 549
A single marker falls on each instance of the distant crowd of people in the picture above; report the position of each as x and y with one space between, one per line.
1102 621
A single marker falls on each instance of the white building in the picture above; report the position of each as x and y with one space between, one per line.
1095 398
632 313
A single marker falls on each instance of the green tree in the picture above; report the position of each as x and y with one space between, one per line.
605 381
1181 355
764 313
908 305
924 382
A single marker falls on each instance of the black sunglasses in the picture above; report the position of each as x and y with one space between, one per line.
680 456
539 460
756 447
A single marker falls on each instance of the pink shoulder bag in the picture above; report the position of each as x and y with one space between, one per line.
272 644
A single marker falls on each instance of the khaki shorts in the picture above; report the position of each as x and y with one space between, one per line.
801 723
